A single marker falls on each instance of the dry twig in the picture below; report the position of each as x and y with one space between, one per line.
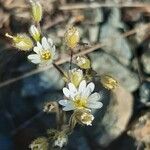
64 60
98 5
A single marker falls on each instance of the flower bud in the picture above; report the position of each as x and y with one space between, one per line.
35 33
74 76
22 41
83 62
61 140
84 116
37 12
40 143
72 37
108 82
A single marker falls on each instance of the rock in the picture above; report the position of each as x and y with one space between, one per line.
115 43
106 64
94 15
144 92
77 141
93 33
140 130
38 84
115 18
146 62
116 118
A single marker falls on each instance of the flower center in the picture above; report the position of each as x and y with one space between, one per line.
80 102
46 55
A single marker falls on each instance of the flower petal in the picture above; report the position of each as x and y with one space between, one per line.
95 105
72 88
34 58
68 108
36 49
82 86
94 97
66 92
63 102
45 44
39 46
91 86
86 92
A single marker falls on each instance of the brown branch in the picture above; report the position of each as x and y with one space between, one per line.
63 60
98 5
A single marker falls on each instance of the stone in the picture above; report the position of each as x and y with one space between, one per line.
116 44
146 62
38 84
115 120
103 63
144 93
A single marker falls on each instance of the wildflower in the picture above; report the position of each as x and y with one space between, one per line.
45 52
61 140
108 82
37 12
72 37
84 116
21 41
40 143
83 62
75 76
81 97
35 33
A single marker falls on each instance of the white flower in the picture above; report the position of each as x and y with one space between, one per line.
81 97
35 33
60 141
45 52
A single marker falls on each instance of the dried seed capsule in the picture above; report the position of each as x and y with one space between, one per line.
72 37
37 11
108 82
84 116
21 41
40 143
83 62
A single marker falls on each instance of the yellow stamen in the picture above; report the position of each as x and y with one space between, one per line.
46 55
80 102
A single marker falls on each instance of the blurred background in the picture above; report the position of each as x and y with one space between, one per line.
124 121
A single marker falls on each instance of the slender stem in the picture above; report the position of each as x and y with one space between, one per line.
58 118
94 5
65 59
71 56
59 69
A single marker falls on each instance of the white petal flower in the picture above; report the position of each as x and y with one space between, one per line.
81 97
45 53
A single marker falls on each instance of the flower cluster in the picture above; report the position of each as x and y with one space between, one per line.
79 92
44 49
